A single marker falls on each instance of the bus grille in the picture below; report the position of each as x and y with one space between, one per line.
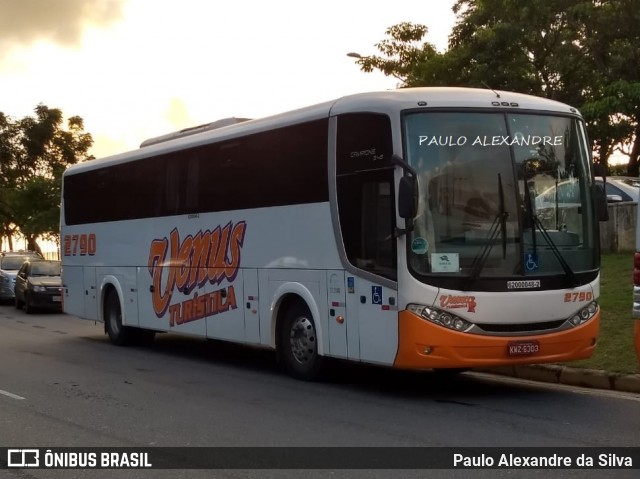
521 328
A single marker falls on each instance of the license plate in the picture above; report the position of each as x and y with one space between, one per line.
523 348
56 299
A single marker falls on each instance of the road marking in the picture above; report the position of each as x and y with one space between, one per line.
11 395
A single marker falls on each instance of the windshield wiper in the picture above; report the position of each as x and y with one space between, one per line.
556 252
503 218
499 226
536 223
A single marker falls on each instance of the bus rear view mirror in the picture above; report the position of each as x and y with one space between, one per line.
408 197
602 200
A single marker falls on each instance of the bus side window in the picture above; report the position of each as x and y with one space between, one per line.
365 192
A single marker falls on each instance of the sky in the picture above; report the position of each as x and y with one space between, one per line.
135 69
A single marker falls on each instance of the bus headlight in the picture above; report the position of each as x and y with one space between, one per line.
584 315
439 317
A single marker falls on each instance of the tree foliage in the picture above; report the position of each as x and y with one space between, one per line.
582 52
34 152
403 54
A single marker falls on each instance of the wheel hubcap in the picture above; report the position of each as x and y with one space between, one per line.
303 340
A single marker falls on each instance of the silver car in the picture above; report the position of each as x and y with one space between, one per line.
10 263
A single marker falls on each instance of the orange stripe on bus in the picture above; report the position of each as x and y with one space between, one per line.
424 345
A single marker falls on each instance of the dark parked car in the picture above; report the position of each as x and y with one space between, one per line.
10 263
39 285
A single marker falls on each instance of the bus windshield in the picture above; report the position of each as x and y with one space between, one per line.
501 195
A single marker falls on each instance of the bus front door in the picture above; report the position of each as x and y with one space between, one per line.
337 307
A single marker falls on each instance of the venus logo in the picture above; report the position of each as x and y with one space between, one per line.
208 256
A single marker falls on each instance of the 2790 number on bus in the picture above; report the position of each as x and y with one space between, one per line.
79 244
523 348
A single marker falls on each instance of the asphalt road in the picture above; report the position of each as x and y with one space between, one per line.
62 384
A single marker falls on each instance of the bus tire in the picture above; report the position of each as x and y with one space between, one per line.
299 345
118 334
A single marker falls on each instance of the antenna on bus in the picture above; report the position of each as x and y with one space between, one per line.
489 88
193 130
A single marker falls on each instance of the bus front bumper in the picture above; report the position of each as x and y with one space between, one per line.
424 345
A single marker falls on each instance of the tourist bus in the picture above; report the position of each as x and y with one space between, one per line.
421 228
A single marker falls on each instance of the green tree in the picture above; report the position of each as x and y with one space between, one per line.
581 52
612 106
34 152
8 143
403 53
532 47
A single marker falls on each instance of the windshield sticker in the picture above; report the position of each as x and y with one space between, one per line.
419 245
188 265
351 287
526 284
530 262
445 262
496 140
454 302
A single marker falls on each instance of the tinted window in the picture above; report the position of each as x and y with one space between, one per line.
365 192
45 268
12 262
285 166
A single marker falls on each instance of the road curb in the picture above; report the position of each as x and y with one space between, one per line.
589 378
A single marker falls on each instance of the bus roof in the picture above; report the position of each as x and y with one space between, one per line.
390 101
447 97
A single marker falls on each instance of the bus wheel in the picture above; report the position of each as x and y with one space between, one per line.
299 344
118 334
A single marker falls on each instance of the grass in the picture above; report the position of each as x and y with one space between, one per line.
615 351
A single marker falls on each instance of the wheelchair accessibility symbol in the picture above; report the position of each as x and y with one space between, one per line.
376 294
530 262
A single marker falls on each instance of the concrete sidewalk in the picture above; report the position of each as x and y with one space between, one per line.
588 378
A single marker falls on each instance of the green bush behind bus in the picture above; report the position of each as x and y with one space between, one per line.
615 351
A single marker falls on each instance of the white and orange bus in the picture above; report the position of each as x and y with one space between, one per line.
425 228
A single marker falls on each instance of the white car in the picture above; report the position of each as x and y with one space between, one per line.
621 188
618 189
